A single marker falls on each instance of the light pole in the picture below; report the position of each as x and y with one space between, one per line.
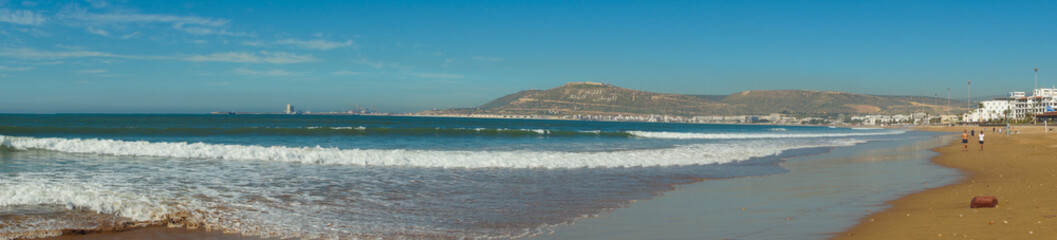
969 100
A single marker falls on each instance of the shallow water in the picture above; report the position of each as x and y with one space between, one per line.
822 194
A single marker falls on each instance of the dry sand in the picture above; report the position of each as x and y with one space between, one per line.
1020 170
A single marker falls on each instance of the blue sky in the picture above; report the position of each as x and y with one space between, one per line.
408 56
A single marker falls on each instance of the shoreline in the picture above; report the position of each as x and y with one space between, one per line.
156 232
1014 169
818 196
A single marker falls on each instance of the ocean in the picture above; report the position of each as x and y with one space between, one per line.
323 177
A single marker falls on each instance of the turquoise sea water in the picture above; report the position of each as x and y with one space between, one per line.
366 176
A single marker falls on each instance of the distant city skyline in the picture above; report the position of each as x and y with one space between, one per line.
407 56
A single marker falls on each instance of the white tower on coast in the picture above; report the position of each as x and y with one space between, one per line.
290 109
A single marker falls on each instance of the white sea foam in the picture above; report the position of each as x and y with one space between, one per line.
540 131
339 128
677 156
357 128
135 207
685 135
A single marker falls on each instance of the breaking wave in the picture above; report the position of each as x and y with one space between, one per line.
304 131
697 154
685 135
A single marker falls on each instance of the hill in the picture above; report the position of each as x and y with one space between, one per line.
604 99
815 102
597 98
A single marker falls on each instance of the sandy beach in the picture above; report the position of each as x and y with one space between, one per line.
1017 169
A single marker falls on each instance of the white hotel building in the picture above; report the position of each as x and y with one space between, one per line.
1018 105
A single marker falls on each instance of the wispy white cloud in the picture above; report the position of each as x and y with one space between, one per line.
92 71
106 33
487 59
268 73
223 83
23 17
436 75
97 31
70 47
379 64
122 18
98 3
246 57
8 68
197 30
96 22
254 43
345 73
317 44
50 63
130 35
32 54
233 57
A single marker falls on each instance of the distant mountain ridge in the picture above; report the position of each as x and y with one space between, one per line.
588 98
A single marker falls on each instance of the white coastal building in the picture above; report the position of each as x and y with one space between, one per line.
991 110
1017 104
1036 104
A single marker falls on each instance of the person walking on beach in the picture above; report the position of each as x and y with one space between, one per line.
965 140
972 133
981 141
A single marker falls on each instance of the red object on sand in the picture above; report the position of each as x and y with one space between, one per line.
984 202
